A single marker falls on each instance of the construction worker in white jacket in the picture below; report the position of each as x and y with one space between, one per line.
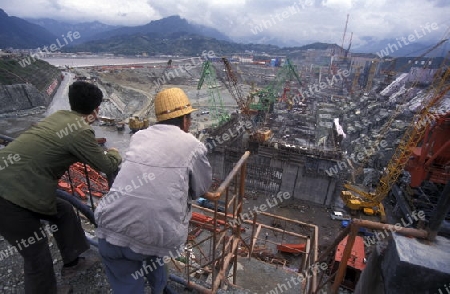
143 220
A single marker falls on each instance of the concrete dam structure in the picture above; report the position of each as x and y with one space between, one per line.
272 170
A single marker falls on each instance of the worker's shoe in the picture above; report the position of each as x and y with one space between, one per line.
168 290
84 263
64 289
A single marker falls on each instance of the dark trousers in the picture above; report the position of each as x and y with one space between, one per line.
22 228
125 269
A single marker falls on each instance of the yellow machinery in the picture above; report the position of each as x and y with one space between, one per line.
136 124
367 202
262 135
371 75
356 79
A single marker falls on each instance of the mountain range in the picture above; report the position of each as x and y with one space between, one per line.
87 30
18 33
170 35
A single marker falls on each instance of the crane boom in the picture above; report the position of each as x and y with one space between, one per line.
233 87
371 74
413 135
345 32
411 138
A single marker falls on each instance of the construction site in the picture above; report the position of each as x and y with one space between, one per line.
331 170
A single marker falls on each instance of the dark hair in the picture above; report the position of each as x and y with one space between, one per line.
176 121
84 97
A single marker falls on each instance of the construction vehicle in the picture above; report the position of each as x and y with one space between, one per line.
140 122
356 199
135 124
260 135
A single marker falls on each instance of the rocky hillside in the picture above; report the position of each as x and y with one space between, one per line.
26 87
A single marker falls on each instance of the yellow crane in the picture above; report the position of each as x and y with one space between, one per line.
357 199
371 75
355 79
136 123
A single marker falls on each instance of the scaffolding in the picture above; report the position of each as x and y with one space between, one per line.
216 238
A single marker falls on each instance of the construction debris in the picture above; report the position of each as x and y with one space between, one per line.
81 181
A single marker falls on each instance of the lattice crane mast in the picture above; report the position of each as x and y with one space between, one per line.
414 134
215 101
268 96
233 87
345 32
371 75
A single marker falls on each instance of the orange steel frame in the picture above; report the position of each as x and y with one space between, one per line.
222 259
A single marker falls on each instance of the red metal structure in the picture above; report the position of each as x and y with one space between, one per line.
292 248
431 160
355 263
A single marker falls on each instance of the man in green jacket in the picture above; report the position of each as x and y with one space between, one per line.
30 167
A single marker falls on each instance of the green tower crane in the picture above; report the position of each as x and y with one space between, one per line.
217 110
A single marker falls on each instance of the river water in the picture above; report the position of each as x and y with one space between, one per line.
12 125
96 61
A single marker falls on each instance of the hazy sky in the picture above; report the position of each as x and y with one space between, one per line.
305 20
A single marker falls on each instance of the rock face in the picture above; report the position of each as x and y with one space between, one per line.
21 96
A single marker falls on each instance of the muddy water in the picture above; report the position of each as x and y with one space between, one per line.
12 125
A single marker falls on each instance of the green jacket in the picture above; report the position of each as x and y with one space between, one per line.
32 164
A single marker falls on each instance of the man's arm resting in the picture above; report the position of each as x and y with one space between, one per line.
86 149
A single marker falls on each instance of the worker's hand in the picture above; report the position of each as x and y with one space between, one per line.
112 149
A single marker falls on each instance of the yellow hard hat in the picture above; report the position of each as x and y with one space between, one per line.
172 103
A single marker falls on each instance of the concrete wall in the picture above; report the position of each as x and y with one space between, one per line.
315 188
21 96
371 280
298 178
306 186
216 161
413 266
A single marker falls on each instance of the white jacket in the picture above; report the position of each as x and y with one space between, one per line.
148 207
